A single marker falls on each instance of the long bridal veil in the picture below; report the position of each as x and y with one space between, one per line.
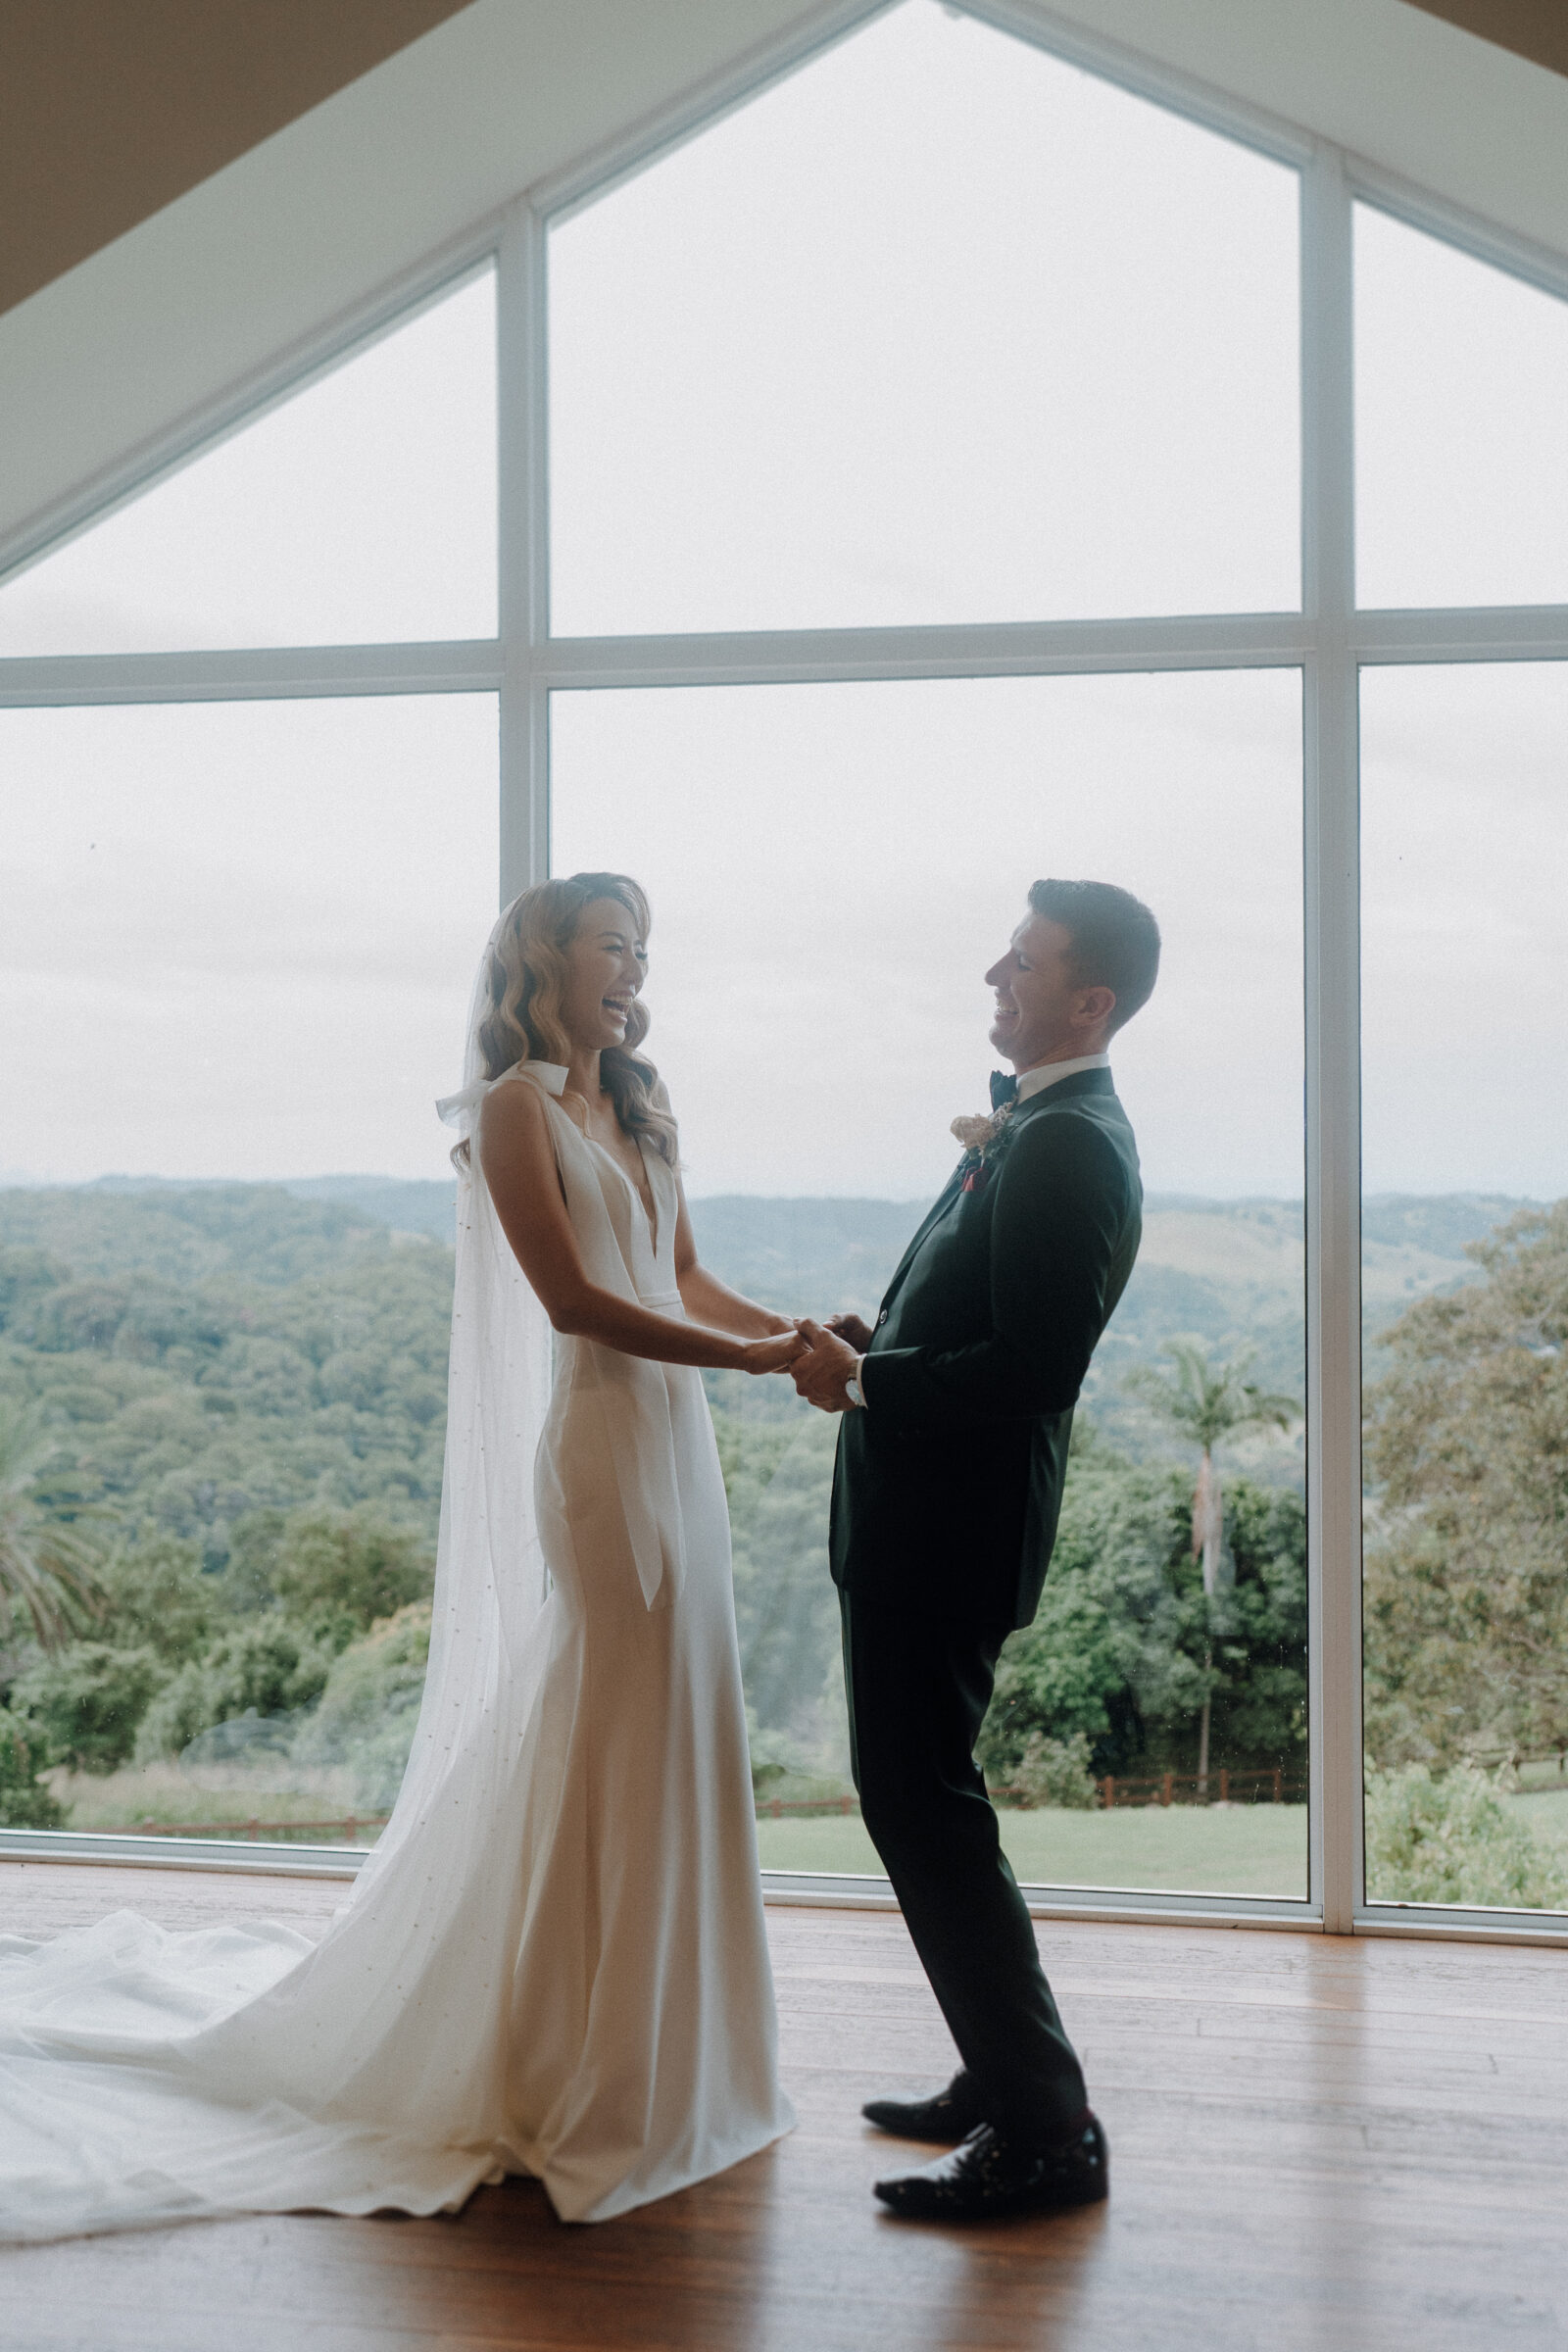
146 2077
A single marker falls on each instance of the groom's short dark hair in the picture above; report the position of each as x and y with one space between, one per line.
1115 940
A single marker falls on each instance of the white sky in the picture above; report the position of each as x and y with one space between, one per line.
833 868
1464 880
939 328
360 511
239 937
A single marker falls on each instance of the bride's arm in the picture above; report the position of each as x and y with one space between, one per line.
519 1168
707 1300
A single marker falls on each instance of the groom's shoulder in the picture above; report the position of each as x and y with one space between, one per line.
1082 1140
1079 1122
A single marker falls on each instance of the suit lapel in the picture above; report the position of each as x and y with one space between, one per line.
951 1192
1066 1089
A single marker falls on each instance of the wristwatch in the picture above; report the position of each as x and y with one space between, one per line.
852 1391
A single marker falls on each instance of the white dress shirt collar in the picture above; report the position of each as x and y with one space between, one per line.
1050 1073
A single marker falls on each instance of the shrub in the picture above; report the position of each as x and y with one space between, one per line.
25 1802
85 1704
370 1705
1054 1772
267 1665
1454 1839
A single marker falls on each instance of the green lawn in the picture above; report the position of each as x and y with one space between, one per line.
1213 1849
161 1794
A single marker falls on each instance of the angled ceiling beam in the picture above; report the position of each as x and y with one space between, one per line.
1534 29
109 112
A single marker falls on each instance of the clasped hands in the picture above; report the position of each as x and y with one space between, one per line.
832 1357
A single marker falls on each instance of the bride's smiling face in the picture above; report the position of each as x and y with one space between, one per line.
606 965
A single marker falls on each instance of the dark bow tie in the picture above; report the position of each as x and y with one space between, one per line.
1003 1090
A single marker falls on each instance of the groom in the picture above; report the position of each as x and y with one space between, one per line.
951 1462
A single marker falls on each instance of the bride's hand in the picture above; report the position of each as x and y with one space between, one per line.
772 1354
851 1329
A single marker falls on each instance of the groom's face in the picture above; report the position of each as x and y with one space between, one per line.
1040 1006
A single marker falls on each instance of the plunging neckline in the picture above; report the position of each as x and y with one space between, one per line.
652 1222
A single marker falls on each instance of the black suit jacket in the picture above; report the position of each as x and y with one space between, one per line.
948 1485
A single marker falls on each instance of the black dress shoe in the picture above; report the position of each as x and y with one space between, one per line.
990 2176
948 2118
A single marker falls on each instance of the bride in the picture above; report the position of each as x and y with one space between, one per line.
554 1961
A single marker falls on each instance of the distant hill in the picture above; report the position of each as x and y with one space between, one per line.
188 1234
407 1204
1229 1272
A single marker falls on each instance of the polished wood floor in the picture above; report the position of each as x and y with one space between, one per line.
1317 2145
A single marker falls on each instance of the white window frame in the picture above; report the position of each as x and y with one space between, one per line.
1327 641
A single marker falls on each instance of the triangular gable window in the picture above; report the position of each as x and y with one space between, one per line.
939 330
361 510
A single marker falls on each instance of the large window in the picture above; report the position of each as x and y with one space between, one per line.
958 461
820 1015
1465 1254
239 939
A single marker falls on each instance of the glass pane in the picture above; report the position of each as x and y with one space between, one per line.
825 906
1461 465
361 510
1464 874
237 946
938 329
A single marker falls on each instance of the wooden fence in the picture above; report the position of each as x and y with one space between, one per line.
337 1832
1221 1788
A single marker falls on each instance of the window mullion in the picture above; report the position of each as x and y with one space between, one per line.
1332 1075
520 395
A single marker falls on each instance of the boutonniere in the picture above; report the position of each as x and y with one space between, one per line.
984 1138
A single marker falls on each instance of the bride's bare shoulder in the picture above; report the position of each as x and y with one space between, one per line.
511 1115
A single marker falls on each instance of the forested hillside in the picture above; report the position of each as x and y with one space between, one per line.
233 1398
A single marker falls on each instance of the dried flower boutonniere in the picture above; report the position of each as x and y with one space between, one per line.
983 1137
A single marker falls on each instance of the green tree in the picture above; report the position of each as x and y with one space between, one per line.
254 1555
27 1276
156 1598
48 1571
356 1565
1126 1644
24 1801
1104 1658
85 1704
1205 1401
1467 1523
265 1666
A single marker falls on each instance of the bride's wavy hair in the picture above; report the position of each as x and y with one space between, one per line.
524 983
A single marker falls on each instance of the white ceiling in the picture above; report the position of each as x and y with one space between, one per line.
309 225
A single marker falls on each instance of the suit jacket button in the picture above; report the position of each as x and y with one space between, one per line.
882 1317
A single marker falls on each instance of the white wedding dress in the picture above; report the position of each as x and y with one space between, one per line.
554 1962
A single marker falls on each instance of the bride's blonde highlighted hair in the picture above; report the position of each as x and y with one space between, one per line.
524 981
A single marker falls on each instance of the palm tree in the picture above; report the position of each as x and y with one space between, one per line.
1205 1401
48 1572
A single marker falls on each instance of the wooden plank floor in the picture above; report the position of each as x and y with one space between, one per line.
1315 2143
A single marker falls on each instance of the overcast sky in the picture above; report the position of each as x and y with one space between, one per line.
937 329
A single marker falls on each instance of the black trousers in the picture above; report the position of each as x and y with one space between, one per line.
918 1686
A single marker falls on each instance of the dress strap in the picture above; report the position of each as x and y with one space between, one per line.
549 1076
